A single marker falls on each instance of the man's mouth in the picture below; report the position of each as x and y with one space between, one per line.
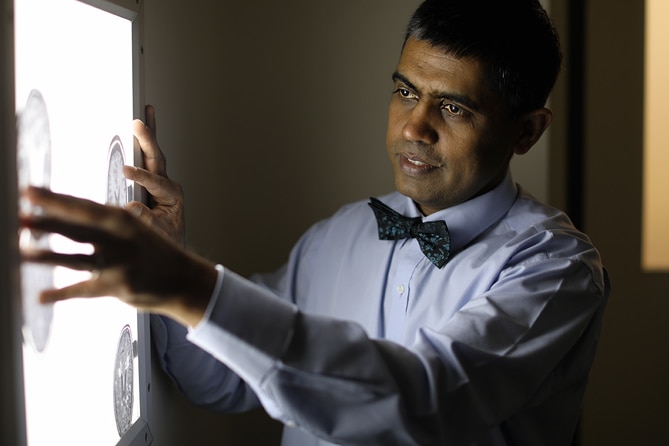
416 162
415 165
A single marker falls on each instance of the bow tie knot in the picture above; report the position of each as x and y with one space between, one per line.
432 236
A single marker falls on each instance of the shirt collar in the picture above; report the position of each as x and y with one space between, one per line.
468 220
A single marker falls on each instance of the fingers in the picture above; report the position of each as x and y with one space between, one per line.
81 233
166 219
79 262
142 212
81 220
62 206
165 210
83 289
163 190
154 160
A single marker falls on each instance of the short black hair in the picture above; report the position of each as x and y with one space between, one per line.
514 39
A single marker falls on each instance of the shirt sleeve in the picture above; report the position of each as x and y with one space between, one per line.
203 379
502 351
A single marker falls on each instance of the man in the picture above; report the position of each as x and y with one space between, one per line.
475 321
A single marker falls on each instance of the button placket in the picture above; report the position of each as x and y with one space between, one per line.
408 256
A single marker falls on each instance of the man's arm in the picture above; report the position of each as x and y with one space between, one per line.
527 340
202 378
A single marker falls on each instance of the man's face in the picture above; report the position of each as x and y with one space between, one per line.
450 136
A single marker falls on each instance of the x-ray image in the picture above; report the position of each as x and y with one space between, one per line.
34 168
117 187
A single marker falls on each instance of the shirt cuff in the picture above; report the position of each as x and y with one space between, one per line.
245 326
220 270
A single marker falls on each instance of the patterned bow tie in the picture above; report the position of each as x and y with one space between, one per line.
433 237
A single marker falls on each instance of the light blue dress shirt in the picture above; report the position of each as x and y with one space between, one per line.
369 343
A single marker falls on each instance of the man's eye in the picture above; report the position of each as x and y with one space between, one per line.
452 109
403 92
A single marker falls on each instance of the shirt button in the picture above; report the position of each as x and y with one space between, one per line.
401 289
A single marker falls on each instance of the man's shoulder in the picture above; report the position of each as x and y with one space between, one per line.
527 210
539 227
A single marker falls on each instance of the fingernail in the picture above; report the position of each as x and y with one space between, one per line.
136 211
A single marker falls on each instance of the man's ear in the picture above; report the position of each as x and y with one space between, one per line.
530 128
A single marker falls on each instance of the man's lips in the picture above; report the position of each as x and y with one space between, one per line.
414 164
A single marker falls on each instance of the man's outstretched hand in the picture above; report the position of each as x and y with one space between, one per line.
131 260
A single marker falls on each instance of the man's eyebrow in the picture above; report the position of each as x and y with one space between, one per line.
455 97
400 77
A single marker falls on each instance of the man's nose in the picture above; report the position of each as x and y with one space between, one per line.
419 127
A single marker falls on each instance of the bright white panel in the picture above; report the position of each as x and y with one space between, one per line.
79 59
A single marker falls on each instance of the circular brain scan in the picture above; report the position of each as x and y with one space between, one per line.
117 188
123 381
34 168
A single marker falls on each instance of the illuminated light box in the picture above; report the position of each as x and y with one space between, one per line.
86 363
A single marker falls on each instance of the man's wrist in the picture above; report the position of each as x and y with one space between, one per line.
191 306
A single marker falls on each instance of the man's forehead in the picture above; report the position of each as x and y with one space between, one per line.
424 55
421 61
